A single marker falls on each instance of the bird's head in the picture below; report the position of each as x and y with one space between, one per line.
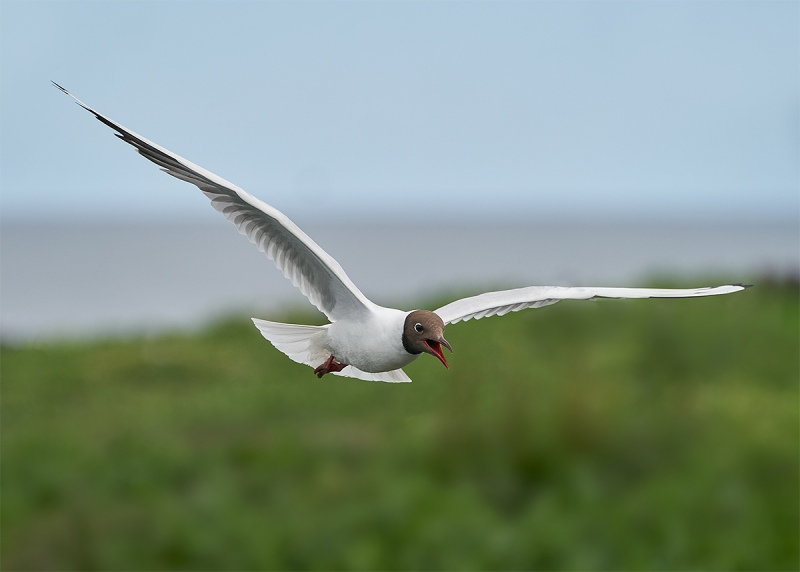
423 331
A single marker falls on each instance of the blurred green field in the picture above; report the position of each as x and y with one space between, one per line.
609 435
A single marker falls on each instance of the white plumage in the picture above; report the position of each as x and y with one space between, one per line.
366 341
501 303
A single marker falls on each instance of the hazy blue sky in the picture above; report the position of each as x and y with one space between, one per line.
530 109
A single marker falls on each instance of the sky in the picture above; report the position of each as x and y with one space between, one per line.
446 110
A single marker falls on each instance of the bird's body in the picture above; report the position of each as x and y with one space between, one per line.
373 344
363 340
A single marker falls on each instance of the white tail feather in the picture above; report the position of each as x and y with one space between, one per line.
303 344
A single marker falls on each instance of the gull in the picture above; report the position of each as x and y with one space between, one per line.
363 340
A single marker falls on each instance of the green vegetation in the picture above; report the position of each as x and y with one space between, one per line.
657 434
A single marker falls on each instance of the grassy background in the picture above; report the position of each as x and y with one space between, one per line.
650 434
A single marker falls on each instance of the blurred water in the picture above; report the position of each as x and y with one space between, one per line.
101 278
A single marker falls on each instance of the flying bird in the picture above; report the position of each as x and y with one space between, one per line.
363 340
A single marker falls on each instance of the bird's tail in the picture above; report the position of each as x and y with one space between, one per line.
303 344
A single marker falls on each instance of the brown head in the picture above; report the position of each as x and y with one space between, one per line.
423 331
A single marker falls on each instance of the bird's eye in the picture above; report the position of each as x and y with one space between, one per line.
418 327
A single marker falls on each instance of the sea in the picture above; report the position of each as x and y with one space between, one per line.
91 280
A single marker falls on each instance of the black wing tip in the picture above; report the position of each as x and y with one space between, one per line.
738 285
78 101
65 90
733 284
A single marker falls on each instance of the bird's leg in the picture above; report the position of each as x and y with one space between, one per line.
330 365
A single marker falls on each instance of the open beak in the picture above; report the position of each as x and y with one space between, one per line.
436 349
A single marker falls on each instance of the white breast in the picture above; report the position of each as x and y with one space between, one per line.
372 345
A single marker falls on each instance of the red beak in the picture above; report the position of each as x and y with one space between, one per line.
436 349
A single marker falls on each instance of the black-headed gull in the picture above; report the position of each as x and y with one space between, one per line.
363 340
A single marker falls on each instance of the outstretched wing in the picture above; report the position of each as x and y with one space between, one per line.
317 274
505 301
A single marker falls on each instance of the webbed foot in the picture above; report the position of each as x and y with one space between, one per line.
330 365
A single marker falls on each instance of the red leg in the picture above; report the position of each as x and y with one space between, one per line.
330 365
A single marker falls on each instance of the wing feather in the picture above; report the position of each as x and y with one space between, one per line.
505 301
317 274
